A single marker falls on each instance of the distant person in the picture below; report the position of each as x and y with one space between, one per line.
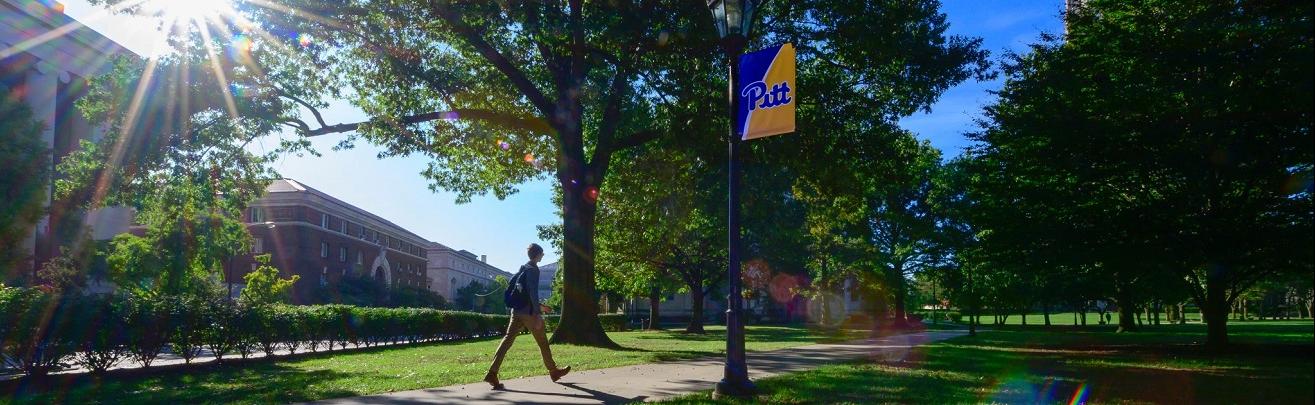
528 315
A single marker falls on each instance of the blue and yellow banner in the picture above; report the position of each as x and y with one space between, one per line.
766 90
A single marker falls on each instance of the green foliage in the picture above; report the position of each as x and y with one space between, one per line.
175 151
63 273
1156 142
415 297
263 285
24 170
480 297
34 330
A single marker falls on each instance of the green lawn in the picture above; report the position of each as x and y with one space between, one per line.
1271 363
387 369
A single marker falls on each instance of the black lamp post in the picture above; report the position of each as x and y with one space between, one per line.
734 21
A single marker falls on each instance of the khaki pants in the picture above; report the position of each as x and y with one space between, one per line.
519 322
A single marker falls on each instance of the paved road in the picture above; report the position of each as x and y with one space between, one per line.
649 382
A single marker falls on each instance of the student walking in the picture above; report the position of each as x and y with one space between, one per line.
526 313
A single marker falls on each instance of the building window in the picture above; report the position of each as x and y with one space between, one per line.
324 249
342 254
360 257
342 226
258 245
257 214
324 221
324 276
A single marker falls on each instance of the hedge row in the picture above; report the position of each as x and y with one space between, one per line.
41 332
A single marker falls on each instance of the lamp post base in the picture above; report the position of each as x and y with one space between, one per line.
734 389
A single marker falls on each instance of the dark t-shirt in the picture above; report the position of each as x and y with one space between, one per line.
530 281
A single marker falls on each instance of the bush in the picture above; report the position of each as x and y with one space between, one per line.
188 324
40 330
103 342
222 336
37 332
143 321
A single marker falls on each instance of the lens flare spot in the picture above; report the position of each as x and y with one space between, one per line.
529 158
304 40
241 43
591 193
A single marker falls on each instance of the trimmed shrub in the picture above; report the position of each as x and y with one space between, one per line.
188 323
35 330
222 336
145 329
101 342
40 331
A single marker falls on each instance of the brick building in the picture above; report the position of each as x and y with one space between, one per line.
323 239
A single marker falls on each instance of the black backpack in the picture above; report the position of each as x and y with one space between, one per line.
515 296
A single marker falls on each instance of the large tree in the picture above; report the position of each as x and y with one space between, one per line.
1161 137
498 93
902 226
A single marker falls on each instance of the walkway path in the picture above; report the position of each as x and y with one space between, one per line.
647 382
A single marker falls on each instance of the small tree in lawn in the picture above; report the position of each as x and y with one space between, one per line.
264 285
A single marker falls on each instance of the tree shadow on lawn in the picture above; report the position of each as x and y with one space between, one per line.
974 370
1173 374
245 383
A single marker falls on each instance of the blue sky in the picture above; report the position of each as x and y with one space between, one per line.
393 188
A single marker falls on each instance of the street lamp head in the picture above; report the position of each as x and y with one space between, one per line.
733 17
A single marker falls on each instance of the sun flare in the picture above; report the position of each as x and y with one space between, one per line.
189 12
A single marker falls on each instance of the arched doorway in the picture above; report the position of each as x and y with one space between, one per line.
382 271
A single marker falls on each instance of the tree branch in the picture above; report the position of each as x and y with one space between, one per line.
498 60
532 124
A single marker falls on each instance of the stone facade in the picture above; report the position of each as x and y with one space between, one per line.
46 58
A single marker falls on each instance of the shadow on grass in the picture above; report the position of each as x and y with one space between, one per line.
246 383
1033 367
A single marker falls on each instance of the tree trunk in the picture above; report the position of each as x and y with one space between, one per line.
900 291
654 317
579 322
826 309
1127 314
1023 315
1156 313
1215 313
1045 310
696 310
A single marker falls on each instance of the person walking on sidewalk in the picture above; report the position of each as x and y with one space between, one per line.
527 315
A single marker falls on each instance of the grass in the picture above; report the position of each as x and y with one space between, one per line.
387 369
1269 363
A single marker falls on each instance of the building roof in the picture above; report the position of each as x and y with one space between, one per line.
45 17
290 186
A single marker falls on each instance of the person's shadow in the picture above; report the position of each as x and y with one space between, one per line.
605 397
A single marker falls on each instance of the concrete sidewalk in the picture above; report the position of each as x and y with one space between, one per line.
649 382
